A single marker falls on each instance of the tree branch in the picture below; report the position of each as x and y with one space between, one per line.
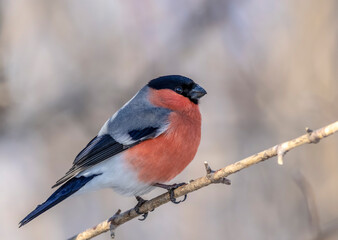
218 176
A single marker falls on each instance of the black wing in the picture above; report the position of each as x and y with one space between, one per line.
98 147
97 150
101 148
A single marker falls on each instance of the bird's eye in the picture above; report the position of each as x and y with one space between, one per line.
179 90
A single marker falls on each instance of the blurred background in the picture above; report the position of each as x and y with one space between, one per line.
270 69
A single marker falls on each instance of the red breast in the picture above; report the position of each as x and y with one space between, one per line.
162 158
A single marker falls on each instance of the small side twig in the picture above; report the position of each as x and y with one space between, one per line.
281 151
208 168
210 172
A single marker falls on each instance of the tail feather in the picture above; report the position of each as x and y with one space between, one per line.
59 195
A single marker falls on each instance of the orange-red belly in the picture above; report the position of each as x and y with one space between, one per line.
162 158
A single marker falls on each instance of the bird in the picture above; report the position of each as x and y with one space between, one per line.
146 143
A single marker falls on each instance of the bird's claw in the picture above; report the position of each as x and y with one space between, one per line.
171 189
140 202
144 216
173 199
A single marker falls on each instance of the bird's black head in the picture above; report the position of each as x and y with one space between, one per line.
179 84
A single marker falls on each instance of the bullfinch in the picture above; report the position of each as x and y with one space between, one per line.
146 143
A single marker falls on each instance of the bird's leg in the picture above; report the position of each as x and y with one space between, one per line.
140 202
171 189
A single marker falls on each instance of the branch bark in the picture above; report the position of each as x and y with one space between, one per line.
218 176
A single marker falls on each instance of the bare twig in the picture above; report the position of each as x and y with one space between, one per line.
212 177
328 231
319 231
210 173
310 202
207 168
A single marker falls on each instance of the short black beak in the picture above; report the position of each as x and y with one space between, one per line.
197 92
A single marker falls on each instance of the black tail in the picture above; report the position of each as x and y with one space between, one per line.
59 195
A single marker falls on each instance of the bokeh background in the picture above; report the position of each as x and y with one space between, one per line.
270 69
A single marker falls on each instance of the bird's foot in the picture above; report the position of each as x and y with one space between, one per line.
171 189
140 202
